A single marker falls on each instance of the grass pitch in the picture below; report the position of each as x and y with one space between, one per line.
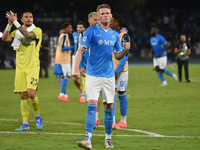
159 118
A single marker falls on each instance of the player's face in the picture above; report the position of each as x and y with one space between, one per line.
112 23
183 38
153 32
93 20
27 19
69 29
80 28
104 15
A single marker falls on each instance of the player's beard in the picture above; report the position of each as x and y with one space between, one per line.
153 34
28 25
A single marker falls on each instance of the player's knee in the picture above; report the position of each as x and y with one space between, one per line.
108 106
162 70
31 93
157 69
23 95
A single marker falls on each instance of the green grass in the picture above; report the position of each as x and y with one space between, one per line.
171 111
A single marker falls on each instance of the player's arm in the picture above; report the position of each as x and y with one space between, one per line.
26 34
164 49
6 34
12 17
79 54
125 38
126 45
66 48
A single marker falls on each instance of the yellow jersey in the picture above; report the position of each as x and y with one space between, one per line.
27 56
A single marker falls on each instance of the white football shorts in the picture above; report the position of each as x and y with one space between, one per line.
161 62
122 80
100 85
66 69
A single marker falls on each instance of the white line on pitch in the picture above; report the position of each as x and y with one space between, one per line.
50 133
133 130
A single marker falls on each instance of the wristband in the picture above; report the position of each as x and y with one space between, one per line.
16 23
8 27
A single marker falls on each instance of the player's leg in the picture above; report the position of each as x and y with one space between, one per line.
20 87
159 73
25 111
108 92
32 84
158 64
163 64
66 70
121 88
97 122
93 87
114 109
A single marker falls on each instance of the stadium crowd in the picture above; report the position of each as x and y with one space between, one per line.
171 22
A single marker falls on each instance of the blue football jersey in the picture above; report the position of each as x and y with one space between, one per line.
75 36
158 44
102 44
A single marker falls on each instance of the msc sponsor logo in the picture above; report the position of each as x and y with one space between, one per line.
106 42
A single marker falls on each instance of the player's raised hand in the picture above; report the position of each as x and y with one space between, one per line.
11 16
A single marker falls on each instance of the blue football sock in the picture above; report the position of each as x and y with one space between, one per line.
108 120
160 75
168 72
123 103
114 105
90 119
64 82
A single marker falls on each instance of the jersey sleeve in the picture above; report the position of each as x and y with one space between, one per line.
163 40
13 33
86 40
38 33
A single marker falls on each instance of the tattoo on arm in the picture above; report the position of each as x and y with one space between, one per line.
26 34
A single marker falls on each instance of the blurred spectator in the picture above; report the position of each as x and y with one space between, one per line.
2 56
44 55
197 48
183 50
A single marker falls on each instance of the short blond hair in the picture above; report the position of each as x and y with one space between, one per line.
94 13
103 6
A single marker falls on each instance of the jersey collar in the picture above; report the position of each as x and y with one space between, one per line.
99 27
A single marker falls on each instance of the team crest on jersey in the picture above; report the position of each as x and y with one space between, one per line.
100 42
84 38
113 36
